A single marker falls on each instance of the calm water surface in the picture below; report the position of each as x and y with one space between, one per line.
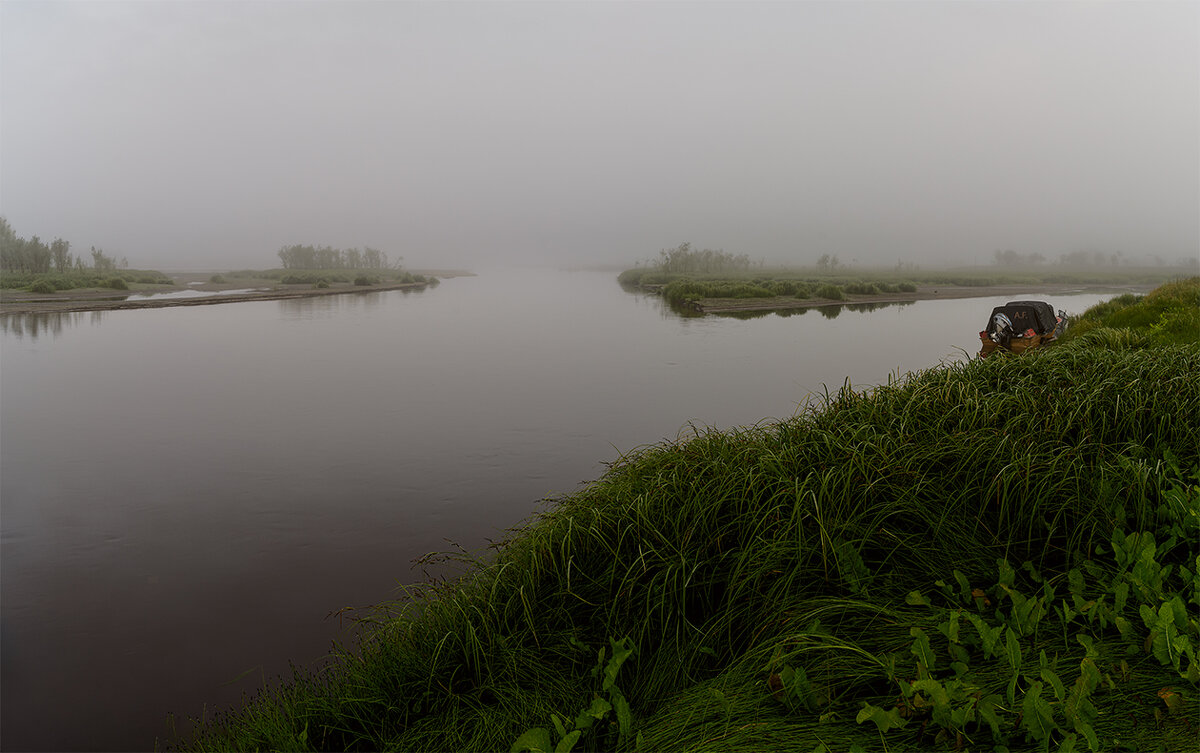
188 493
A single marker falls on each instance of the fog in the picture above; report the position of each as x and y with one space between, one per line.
196 135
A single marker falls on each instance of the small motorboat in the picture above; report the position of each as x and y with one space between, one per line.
1020 325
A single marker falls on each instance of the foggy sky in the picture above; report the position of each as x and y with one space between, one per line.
209 134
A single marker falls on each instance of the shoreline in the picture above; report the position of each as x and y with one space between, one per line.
924 293
94 299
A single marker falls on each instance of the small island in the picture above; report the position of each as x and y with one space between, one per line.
696 282
36 277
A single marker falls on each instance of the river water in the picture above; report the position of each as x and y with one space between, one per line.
189 495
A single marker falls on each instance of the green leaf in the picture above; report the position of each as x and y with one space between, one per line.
1036 714
1149 616
1089 734
1120 596
597 711
599 708
622 650
963 584
1007 574
1060 692
1013 651
568 742
987 711
624 717
884 720
949 628
916 599
1088 644
558 726
988 635
536 740
921 649
934 690
1075 582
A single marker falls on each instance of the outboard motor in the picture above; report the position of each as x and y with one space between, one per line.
1002 330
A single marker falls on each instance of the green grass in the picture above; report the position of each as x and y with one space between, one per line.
1170 314
55 281
938 563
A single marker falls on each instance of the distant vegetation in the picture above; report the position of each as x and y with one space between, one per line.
1000 554
330 276
327 257
38 267
47 268
682 273
686 260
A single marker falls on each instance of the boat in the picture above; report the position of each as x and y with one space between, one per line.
1018 326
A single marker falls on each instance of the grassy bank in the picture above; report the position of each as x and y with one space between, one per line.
996 553
327 276
52 282
836 285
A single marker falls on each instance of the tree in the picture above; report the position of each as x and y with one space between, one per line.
101 262
37 256
60 250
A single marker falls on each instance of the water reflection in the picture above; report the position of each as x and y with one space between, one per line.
323 306
829 312
51 323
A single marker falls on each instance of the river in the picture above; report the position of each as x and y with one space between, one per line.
189 495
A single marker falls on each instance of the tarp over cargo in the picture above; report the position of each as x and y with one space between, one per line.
1036 315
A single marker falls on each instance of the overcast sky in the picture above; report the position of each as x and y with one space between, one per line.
209 134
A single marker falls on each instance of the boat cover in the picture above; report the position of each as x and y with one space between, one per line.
1036 315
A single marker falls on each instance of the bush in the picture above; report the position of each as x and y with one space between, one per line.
217 279
366 279
116 283
322 283
42 286
907 287
862 288
832 292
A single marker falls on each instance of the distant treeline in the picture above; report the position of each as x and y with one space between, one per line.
33 256
683 259
327 257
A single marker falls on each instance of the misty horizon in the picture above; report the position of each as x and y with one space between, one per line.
464 135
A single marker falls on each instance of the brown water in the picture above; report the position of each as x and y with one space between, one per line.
187 494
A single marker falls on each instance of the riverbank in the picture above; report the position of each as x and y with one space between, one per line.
991 553
789 289
198 288
922 293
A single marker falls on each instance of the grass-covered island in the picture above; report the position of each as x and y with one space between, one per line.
696 281
994 555
38 278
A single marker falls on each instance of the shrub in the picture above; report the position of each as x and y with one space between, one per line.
217 279
832 292
366 279
631 276
907 287
42 286
322 283
116 283
862 288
